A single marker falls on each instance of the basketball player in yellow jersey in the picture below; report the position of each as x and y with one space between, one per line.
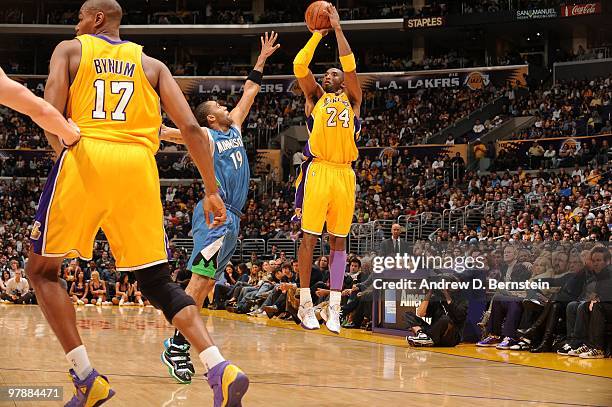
325 189
19 98
109 179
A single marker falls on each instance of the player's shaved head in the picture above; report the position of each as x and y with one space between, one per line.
111 9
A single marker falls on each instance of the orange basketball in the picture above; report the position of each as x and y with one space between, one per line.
316 17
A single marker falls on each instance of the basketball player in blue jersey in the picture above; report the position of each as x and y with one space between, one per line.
325 188
213 248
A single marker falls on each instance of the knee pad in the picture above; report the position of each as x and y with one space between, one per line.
164 294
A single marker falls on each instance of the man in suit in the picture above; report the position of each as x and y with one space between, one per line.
394 245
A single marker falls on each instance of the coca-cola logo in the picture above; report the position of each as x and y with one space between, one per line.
581 9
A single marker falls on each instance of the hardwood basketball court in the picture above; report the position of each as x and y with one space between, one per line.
291 367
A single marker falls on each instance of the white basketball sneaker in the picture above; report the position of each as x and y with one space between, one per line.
306 314
332 318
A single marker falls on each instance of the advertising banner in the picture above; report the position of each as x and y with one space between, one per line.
423 22
573 10
472 78
536 14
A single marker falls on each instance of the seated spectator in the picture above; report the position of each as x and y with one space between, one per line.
233 277
506 307
18 290
251 296
448 313
550 158
257 275
478 129
5 277
79 289
111 275
275 304
585 338
69 273
355 309
97 290
125 292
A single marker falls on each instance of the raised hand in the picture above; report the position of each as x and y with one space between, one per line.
268 46
334 17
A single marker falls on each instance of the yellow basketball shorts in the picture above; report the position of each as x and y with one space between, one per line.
325 192
101 184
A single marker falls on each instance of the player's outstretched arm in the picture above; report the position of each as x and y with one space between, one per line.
312 90
171 134
58 83
347 59
197 143
19 98
253 83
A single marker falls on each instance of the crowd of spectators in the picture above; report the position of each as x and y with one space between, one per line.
18 132
405 118
389 119
567 109
383 62
567 279
548 208
371 62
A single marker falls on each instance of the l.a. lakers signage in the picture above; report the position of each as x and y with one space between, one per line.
477 80
423 22
472 78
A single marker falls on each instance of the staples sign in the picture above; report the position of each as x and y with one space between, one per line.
423 22
586 9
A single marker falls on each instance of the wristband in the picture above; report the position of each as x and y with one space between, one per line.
255 76
61 140
348 63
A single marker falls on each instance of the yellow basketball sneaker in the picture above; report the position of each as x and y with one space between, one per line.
91 392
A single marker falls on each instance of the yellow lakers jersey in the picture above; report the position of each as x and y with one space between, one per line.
333 129
110 97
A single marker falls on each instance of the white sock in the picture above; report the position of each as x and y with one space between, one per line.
79 360
305 296
211 357
334 298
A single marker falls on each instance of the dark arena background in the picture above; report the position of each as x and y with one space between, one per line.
485 135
